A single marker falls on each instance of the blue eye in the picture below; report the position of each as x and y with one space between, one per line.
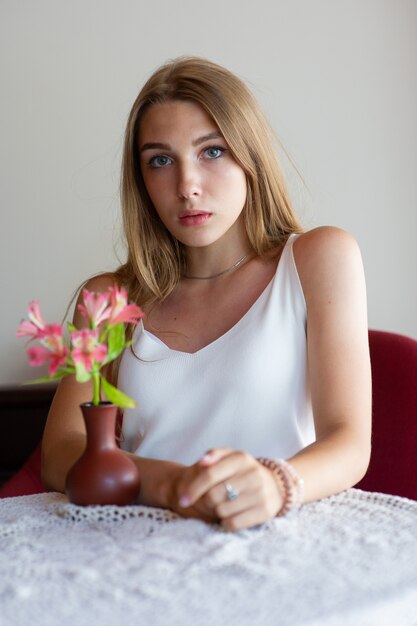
214 152
159 161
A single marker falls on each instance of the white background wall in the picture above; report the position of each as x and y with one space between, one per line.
338 78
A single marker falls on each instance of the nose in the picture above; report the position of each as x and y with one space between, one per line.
189 181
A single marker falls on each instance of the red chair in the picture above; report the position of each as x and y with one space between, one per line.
27 480
23 411
393 466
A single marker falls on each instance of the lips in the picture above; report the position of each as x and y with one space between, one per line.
194 217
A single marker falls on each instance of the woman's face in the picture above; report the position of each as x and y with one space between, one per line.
196 186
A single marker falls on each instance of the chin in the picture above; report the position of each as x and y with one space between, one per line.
197 239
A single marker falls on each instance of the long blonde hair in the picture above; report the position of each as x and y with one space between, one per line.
156 259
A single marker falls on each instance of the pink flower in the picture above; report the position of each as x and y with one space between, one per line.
90 349
95 307
53 341
27 329
38 355
35 316
86 349
121 311
35 328
52 338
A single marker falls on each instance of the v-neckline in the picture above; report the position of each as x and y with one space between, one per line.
232 329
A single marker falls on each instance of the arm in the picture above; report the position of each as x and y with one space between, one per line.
331 273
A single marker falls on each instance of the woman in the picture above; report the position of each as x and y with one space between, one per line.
254 342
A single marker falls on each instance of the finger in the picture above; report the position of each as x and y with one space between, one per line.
247 519
198 513
228 508
231 464
241 483
255 488
187 478
268 507
214 455
199 510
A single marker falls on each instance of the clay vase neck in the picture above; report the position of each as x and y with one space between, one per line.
103 474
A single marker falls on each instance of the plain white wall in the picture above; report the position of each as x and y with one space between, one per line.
338 80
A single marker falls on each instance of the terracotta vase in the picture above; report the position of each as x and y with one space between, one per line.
103 474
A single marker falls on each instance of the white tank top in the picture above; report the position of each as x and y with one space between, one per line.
247 390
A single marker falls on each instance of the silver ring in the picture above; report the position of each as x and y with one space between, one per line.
231 492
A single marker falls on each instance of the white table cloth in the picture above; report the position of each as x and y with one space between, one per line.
348 560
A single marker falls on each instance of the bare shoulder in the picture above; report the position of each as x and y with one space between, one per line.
319 244
326 257
100 283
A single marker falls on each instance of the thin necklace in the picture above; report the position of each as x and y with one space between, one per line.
229 269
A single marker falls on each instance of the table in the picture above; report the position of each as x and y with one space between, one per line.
347 560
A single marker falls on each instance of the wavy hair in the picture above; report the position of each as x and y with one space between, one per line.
156 260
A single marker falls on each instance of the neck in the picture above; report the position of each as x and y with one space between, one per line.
225 255
231 268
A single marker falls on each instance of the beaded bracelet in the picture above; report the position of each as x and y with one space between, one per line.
292 484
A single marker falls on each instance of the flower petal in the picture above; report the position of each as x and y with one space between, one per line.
121 311
130 314
56 361
95 307
100 353
38 355
28 329
86 350
35 316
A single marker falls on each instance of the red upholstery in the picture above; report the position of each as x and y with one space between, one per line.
393 466
27 480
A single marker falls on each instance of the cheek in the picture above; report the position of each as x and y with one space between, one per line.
155 189
238 187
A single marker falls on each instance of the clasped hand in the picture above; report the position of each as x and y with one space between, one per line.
228 487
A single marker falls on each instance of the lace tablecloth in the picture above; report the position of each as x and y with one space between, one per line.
349 560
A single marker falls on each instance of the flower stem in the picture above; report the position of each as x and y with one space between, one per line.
96 391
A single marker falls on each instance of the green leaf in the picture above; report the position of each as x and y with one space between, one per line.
72 328
81 373
116 396
44 379
116 342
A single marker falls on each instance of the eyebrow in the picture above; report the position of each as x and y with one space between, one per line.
214 135
165 146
